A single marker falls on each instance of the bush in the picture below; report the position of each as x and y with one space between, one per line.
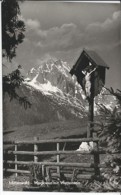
110 137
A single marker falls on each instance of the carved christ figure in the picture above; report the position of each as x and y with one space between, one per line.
88 74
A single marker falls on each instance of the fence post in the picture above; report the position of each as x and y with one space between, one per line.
96 158
58 158
35 150
43 172
35 156
16 174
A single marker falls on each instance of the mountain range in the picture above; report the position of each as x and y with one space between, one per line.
54 95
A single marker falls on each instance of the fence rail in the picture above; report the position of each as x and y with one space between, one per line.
58 165
86 165
36 141
54 152
53 174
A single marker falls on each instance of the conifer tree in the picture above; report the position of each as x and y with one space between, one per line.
13 29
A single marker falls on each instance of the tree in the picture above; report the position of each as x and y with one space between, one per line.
110 140
10 83
109 132
111 136
13 29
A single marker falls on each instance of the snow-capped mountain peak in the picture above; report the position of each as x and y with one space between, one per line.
52 79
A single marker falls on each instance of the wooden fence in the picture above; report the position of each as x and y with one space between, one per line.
36 153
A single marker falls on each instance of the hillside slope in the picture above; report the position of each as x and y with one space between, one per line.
54 95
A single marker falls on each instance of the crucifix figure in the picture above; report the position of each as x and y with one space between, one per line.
88 72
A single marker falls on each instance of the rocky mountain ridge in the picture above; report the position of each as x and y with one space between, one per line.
54 95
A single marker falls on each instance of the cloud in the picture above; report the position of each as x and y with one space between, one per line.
107 24
70 36
117 15
68 40
57 32
59 38
105 34
32 24
39 44
45 58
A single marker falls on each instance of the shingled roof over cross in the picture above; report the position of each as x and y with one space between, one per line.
95 57
83 62
92 56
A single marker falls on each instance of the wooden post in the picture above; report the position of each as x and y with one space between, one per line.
35 157
35 150
64 146
96 159
91 107
96 155
90 132
43 172
90 117
58 159
16 174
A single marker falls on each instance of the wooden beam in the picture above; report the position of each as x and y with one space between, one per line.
87 165
16 171
80 176
53 152
54 164
53 141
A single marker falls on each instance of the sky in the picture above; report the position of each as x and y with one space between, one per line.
61 30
